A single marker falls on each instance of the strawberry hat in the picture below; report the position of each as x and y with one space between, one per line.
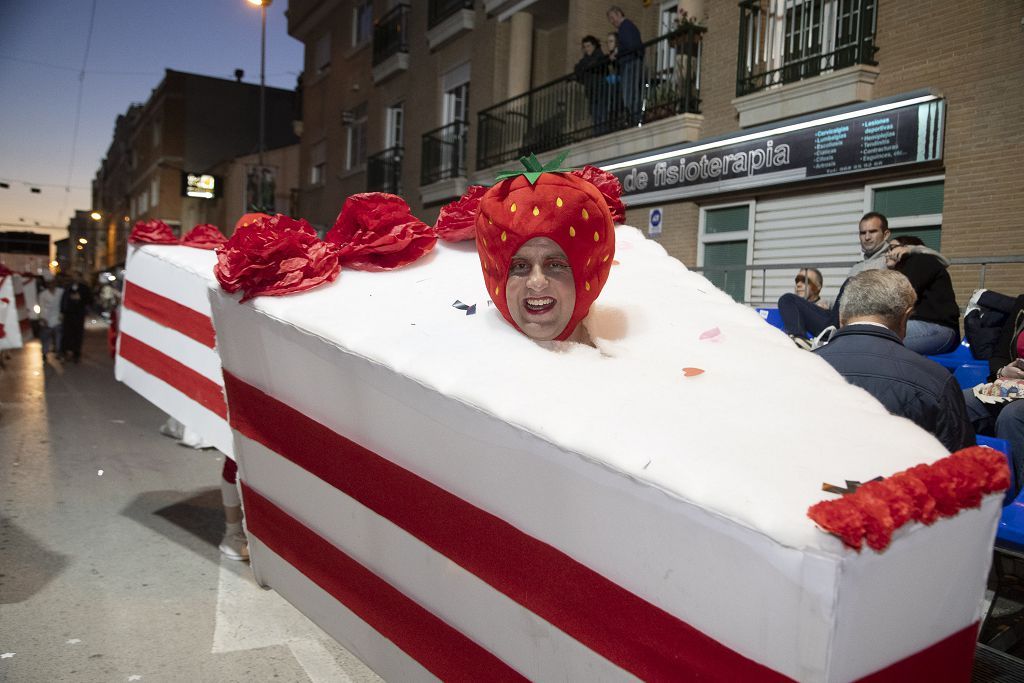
546 201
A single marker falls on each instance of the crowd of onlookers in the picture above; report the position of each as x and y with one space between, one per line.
65 301
896 308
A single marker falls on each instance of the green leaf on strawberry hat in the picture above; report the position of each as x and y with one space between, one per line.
534 169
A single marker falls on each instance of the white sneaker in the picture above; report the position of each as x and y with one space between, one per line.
235 546
801 342
972 305
824 337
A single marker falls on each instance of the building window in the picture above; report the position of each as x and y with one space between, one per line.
154 192
395 130
157 129
362 22
355 119
322 53
913 208
318 164
724 244
784 41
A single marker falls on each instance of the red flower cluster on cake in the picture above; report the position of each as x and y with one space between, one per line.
275 255
457 221
377 231
152 232
204 236
921 494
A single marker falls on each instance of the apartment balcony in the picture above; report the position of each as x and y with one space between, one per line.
447 19
443 162
817 54
391 44
659 82
384 171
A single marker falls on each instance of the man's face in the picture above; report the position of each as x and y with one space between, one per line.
588 49
540 292
615 18
871 234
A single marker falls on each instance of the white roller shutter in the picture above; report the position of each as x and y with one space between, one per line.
813 229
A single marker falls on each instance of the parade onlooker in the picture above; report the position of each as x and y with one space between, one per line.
591 71
1004 420
868 352
807 285
801 317
74 306
629 59
614 88
934 326
50 317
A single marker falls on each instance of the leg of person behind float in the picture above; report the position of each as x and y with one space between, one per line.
930 338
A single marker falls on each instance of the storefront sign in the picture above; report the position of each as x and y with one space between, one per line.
875 137
198 185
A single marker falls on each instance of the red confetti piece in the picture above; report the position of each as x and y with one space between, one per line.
692 372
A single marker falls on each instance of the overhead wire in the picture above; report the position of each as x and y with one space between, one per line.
78 111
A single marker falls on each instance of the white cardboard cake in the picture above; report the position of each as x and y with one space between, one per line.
450 499
12 338
166 348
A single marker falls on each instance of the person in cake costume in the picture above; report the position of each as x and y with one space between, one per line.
546 240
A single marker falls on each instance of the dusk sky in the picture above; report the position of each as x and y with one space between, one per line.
42 48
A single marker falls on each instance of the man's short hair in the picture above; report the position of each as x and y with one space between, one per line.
908 241
592 40
874 214
883 294
616 9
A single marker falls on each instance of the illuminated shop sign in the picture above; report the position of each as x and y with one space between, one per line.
881 136
202 186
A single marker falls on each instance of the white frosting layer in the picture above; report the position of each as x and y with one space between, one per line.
751 439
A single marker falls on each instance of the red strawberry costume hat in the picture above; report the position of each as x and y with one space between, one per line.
546 201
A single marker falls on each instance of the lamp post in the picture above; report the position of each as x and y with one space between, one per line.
263 5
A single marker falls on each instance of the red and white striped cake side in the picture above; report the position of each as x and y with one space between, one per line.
166 343
550 564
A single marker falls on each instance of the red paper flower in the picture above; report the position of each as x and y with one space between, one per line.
840 517
921 493
204 236
376 231
274 256
457 221
4 270
152 232
610 188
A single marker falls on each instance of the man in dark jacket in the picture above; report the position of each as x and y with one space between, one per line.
591 71
74 306
630 62
868 351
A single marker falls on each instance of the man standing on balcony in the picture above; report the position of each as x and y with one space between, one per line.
591 71
630 61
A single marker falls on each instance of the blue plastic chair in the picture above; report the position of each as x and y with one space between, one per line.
970 375
771 316
961 355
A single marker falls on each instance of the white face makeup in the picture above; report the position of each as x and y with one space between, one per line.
540 292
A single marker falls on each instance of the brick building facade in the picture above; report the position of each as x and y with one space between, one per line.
190 124
422 98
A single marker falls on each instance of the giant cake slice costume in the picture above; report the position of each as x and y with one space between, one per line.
449 499
166 347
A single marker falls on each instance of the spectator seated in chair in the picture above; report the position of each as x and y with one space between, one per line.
868 351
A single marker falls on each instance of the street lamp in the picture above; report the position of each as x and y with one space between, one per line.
263 5
95 215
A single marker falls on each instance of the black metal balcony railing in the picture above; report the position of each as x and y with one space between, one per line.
660 81
391 34
444 153
810 38
384 171
439 10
